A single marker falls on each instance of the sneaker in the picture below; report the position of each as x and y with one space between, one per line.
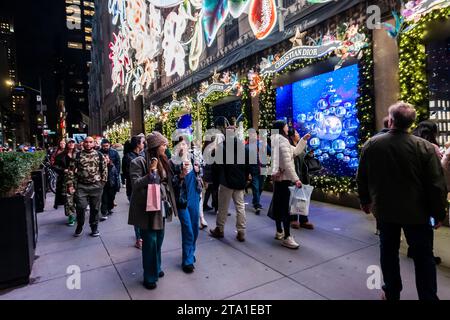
95 233
138 244
295 225
110 212
70 221
290 243
78 231
216 233
257 210
161 274
189 268
150 285
307 225
279 236
103 217
240 236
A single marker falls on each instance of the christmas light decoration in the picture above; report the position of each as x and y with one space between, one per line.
118 133
238 7
120 60
262 17
214 14
413 60
174 54
117 10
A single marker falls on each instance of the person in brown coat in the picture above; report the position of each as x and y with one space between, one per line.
153 168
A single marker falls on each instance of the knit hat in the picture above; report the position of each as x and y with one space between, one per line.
156 139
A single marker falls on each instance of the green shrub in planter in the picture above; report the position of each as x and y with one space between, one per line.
15 170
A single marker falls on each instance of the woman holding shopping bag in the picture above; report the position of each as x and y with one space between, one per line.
153 169
188 186
284 175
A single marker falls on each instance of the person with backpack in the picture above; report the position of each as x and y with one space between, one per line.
90 178
109 191
114 156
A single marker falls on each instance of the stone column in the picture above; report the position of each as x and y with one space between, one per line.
386 73
136 114
255 111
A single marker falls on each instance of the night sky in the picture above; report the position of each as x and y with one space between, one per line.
39 27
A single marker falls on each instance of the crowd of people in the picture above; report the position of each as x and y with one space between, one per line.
400 180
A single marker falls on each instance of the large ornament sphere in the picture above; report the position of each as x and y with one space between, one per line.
330 128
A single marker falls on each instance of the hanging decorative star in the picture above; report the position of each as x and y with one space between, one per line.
297 40
215 76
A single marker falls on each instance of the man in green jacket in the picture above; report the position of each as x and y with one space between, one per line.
400 181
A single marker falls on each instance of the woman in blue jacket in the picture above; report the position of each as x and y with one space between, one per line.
187 185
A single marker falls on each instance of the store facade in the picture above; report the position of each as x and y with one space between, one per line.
326 73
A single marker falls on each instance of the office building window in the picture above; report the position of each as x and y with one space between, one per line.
288 3
88 12
89 4
68 2
74 45
231 31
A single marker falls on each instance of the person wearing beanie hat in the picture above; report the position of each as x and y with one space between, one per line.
154 168
110 193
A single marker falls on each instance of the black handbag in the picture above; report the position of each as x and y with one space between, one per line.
313 164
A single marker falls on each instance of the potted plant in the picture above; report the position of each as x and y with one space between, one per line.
18 224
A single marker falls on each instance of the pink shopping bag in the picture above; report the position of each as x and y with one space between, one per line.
153 197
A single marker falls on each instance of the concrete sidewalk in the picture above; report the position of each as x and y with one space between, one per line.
331 263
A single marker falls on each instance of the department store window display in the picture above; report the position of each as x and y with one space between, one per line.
325 106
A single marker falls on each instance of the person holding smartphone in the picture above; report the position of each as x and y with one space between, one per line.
154 168
188 187
284 175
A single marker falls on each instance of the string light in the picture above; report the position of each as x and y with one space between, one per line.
413 59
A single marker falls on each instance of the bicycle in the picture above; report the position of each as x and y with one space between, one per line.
50 176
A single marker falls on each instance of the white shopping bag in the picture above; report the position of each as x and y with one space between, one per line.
300 200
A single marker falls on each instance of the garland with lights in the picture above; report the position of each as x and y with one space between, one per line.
365 105
170 124
205 110
118 133
413 74
150 123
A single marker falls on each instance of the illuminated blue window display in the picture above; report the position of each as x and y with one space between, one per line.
324 105
185 121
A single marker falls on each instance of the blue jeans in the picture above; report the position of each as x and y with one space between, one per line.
420 240
151 253
257 188
189 219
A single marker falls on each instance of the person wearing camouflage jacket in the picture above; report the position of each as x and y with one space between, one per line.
91 174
